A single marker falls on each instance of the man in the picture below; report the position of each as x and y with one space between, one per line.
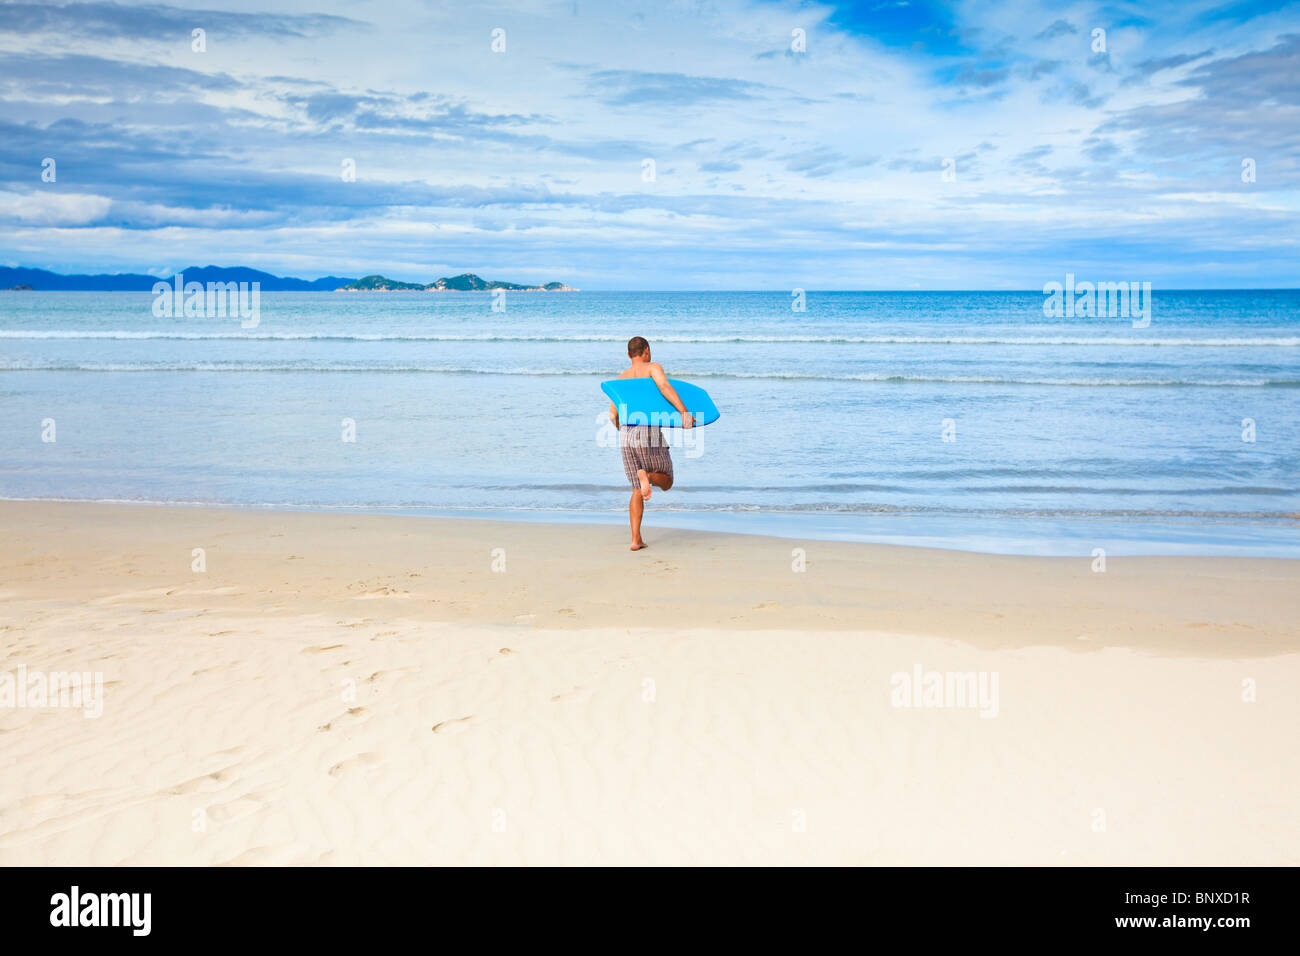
646 460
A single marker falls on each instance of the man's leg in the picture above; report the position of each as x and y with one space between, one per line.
635 509
656 478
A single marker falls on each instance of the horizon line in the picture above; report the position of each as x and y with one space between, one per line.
672 291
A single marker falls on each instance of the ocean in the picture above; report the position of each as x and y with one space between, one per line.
965 420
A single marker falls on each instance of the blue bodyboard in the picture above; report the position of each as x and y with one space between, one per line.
640 402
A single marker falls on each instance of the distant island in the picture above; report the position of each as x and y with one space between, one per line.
45 281
465 282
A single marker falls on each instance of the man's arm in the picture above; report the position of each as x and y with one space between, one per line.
613 412
670 393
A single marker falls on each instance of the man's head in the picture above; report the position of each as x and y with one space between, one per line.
638 348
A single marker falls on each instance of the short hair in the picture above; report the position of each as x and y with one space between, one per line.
636 345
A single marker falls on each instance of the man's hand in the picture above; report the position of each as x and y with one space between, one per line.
688 420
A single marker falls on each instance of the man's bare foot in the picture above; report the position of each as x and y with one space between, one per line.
645 483
637 545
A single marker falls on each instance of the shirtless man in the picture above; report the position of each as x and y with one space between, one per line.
646 461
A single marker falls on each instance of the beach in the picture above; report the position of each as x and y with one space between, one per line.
326 688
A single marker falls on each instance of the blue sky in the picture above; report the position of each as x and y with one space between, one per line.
773 168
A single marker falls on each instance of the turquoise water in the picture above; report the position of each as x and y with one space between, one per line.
1069 434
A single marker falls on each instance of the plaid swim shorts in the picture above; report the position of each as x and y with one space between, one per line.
644 446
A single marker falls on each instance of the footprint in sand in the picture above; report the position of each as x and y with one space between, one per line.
382 592
205 784
214 667
384 673
351 715
359 762
443 726
234 809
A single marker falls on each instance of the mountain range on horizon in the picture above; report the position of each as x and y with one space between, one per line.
465 282
44 280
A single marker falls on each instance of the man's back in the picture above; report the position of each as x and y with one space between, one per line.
644 370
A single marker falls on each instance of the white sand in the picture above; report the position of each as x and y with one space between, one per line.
361 689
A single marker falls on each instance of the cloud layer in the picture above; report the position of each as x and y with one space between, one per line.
762 145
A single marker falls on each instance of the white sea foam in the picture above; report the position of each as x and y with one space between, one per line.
1019 340
20 365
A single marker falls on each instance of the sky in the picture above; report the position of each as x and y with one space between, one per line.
731 144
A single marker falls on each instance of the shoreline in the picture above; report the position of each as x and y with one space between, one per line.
1048 536
334 689
698 578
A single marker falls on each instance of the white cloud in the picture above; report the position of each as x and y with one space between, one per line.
51 208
